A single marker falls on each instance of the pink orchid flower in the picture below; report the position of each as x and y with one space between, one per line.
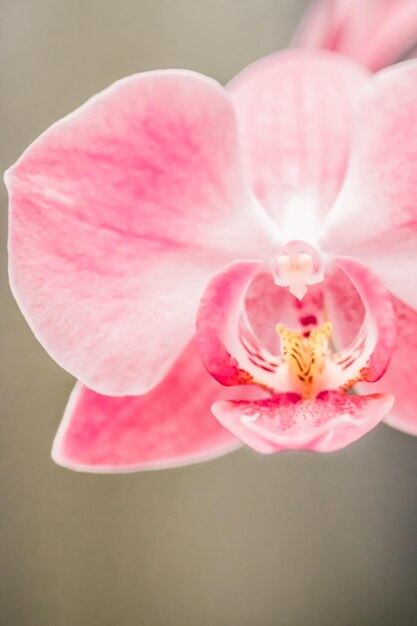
278 212
376 33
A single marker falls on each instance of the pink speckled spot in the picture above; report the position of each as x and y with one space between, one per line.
286 422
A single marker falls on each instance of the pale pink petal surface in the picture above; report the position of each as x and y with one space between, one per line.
170 425
374 32
285 422
296 112
375 216
120 213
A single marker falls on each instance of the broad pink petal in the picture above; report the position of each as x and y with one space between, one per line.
285 422
120 213
375 216
296 112
401 375
168 426
374 32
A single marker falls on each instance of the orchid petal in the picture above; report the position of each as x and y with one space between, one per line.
401 374
296 110
170 425
375 216
372 347
224 345
285 422
120 213
374 32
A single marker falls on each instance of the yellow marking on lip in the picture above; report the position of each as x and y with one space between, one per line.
305 356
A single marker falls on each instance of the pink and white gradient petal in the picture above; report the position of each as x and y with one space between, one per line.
296 112
170 425
330 422
374 32
119 215
401 374
375 216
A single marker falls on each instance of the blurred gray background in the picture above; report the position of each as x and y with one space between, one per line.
290 540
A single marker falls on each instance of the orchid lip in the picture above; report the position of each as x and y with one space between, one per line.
237 352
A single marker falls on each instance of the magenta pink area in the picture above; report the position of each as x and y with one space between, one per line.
296 113
375 217
379 325
119 215
236 324
285 422
218 321
401 375
374 32
240 301
170 425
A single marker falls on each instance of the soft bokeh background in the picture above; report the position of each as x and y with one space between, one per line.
293 540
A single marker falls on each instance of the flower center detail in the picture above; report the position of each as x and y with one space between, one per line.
297 265
305 356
